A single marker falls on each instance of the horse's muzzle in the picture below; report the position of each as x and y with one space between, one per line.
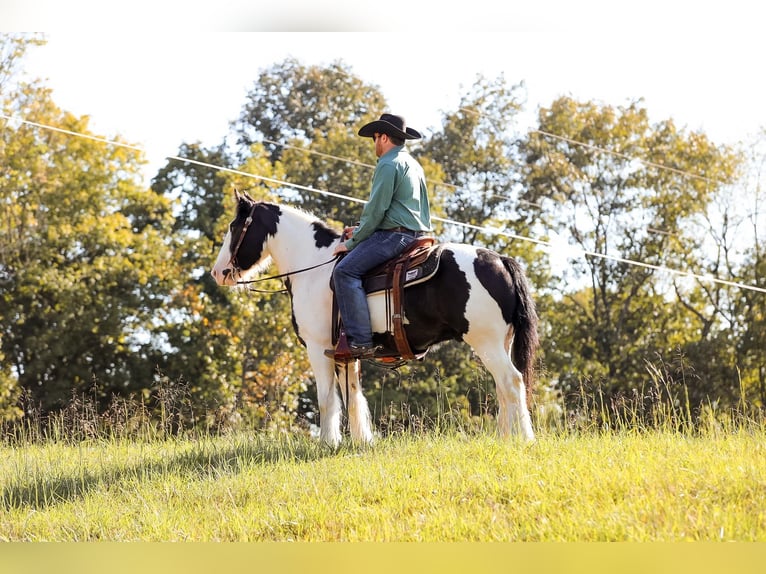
223 277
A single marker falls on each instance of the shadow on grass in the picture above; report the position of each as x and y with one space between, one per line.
193 459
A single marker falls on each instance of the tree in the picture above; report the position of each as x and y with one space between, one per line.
12 50
84 261
477 153
752 304
619 189
201 351
751 307
235 352
308 116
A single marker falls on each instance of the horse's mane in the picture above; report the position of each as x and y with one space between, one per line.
308 216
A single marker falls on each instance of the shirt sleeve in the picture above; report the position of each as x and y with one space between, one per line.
383 182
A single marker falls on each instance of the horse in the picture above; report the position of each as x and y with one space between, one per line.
477 296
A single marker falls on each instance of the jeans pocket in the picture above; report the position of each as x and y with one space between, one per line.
405 240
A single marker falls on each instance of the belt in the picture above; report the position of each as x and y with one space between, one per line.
406 231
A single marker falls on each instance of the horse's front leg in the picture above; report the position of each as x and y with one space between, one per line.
327 396
359 420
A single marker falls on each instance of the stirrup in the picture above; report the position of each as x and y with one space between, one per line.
351 353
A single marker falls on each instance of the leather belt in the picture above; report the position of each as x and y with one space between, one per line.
407 231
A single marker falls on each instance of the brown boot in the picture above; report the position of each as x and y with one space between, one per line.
351 353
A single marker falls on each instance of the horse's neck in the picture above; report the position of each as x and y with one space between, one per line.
293 247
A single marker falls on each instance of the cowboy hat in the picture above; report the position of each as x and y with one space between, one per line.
391 125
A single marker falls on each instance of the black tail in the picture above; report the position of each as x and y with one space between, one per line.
524 321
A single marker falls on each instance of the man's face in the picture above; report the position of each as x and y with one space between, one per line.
379 140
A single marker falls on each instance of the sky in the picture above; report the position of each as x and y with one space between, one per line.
163 73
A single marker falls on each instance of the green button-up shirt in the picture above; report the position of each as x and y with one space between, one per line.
399 197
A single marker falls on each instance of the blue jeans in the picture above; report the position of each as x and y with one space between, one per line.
347 277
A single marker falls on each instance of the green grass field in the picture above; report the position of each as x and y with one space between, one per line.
627 485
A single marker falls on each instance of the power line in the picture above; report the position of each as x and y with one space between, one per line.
72 133
484 229
370 166
627 157
598 149
319 153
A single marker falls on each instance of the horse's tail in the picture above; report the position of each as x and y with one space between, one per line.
524 323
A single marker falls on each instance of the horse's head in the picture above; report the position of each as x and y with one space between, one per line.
245 251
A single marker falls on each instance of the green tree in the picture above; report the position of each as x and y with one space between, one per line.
308 117
751 305
752 309
234 352
477 154
12 50
734 331
725 315
618 188
84 261
275 372
476 151
201 351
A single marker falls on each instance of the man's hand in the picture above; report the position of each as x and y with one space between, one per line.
341 247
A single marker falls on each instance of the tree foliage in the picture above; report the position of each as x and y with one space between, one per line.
308 115
737 316
621 190
83 267
477 155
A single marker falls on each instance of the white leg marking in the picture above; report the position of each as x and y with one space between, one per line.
359 420
327 396
513 416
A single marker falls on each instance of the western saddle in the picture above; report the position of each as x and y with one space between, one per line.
416 264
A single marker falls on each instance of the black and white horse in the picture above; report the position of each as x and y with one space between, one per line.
476 296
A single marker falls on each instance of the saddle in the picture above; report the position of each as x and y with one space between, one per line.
416 264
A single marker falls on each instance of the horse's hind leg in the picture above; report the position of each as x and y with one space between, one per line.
513 416
359 420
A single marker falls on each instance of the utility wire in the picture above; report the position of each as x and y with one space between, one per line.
627 157
592 147
484 229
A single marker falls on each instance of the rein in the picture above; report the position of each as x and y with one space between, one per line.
282 275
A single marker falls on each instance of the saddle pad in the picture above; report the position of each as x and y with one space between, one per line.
422 266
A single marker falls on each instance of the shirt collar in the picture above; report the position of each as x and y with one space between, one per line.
392 152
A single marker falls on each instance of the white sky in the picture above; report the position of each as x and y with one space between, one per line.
163 73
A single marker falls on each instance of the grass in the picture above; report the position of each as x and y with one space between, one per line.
444 485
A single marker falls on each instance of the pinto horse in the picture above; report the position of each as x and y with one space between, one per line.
476 296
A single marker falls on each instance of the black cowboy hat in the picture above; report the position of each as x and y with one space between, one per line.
391 125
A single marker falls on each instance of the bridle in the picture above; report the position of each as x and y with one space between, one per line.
233 261
235 251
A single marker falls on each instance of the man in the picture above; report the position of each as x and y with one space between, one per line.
396 214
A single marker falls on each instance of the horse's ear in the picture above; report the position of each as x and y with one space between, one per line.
242 196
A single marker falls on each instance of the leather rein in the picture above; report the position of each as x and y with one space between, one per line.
282 275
